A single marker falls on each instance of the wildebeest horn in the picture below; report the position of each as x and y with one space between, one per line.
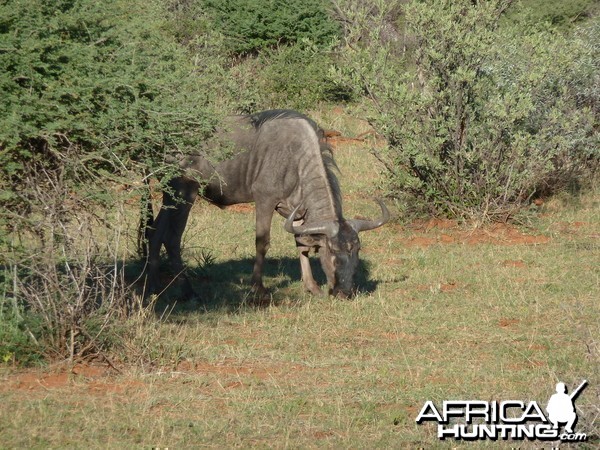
364 225
328 228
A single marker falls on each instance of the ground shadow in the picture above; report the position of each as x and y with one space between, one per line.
225 286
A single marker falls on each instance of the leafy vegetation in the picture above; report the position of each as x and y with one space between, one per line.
108 79
280 53
254 25
94 96
298 76
476 129
558 14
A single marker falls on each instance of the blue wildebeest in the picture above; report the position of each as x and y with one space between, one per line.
281 163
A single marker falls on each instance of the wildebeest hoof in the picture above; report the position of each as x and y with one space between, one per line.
260 291
191 297
261 296
314 290
186 291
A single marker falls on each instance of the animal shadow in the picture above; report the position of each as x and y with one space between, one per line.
225 285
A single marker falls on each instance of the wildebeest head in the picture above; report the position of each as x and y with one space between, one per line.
338 245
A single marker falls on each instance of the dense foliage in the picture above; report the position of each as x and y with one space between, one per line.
254 25
104 80
298 76
475 129
93 94
281 53
560 14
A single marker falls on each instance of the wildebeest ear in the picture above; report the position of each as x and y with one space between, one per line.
310 240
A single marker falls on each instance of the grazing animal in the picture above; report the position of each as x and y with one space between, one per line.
282 163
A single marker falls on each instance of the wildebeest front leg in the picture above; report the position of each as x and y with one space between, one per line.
264 215
307 277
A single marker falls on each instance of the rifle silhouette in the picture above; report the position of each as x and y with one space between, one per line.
578 390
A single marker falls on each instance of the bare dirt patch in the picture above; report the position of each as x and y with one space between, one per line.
434 223
449 287
32 381
445 232
337 141
420 241
90 371
244 208
505 234
514 263
234 368
506 323
37 379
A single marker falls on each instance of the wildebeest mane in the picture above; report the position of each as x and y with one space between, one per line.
331 168
258 120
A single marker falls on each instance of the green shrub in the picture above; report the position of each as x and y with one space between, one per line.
255 25
19 329
94 96
101 79
560 14
478 119
281 52
298 76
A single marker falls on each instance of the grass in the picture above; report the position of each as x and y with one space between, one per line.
445 313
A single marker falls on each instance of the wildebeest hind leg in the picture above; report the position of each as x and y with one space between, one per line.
173 246
168 229
155 236
178 214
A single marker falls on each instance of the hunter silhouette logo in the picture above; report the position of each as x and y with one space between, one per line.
471 420
561 408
